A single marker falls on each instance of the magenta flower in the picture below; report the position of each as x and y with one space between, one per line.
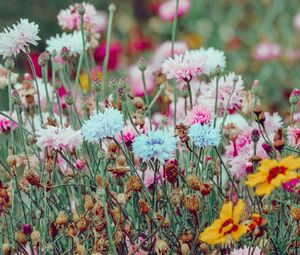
6 125
129 134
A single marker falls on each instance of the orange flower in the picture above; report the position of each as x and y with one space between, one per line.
227 227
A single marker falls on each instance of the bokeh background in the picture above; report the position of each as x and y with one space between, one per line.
234 26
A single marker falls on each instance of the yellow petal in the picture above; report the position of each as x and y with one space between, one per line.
264 189
278 180
290 175
238 210
254 179
291 163
226 211
266 165
242 230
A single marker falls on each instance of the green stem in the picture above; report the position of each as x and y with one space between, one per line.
174 27
147 98
10 109
112 10
216 101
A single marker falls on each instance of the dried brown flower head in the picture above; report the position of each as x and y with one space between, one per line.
134 183
181 130
191 203
144 207
171 170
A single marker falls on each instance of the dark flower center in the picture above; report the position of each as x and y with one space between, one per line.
275 171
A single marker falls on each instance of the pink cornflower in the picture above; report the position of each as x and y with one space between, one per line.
293 135
199 114
266 51
167 10
59 138
164 51
18 38
69 19
136 83
129 134
184 67
226 86
6 125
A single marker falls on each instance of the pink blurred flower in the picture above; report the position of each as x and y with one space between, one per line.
293 135
226 83
167 10
69 18
266 51
6 124
150 178
293 55
199 114
164 51
114 54
184 67
129 134
59 138
131 248
80 165
136 83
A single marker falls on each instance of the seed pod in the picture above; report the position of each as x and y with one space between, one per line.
20 237
88 202
135 184
61 219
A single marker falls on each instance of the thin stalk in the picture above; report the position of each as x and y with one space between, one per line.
174 27
10 109
112 9
147 98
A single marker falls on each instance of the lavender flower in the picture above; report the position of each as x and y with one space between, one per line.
204 135
103 125
156 144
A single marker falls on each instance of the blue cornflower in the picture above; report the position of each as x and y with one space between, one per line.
204 135
156 144
102 125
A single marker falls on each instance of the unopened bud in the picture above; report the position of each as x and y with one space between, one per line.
295 97
81 9
142 64
9 64
44 58
255 135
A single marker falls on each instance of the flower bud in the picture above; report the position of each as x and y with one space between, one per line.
81 9
185 249
142 64
295 97
6 249
278 145
9 63
65 53
69 98
268 148
44 58
171 170
113 84
61 219
191 203
96 84
144 207
218 70
27 229
20 237
256 90
36 237
112 8
135 184
255 135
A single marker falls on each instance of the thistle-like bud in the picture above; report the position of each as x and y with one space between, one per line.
256 90
171 170
268 148
9 64
69 98
122 91
144 207
142 64
44 58
135 184
65 53
191 203
6 249
218 70
255 135
96 84
61 219
57 84
35 237
81 9
295 97
113 84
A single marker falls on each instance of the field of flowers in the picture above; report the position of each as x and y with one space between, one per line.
150 146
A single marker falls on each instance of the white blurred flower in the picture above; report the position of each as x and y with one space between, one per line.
16 39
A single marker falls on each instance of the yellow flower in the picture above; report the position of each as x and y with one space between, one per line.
227 227
272 174
84 79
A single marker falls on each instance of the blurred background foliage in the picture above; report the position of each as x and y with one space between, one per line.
235 26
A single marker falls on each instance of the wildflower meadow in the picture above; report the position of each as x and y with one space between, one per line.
147 148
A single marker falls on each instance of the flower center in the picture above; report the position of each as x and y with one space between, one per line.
228 226
276 171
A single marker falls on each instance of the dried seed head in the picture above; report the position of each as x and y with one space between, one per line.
102 245
187 236
118 236
82 224
44 58
204 248
194 182
88 202
142 64
206 188
185 249
6 249
36 237
20 237
161 247
295 97
135 184
171 170
191 203
176 196
72 230
295 212
61 219
181 130
138 103
144 207
80 249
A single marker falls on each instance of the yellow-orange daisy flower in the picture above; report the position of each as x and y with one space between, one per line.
227 227
272 174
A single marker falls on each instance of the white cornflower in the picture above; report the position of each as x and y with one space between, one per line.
16 39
